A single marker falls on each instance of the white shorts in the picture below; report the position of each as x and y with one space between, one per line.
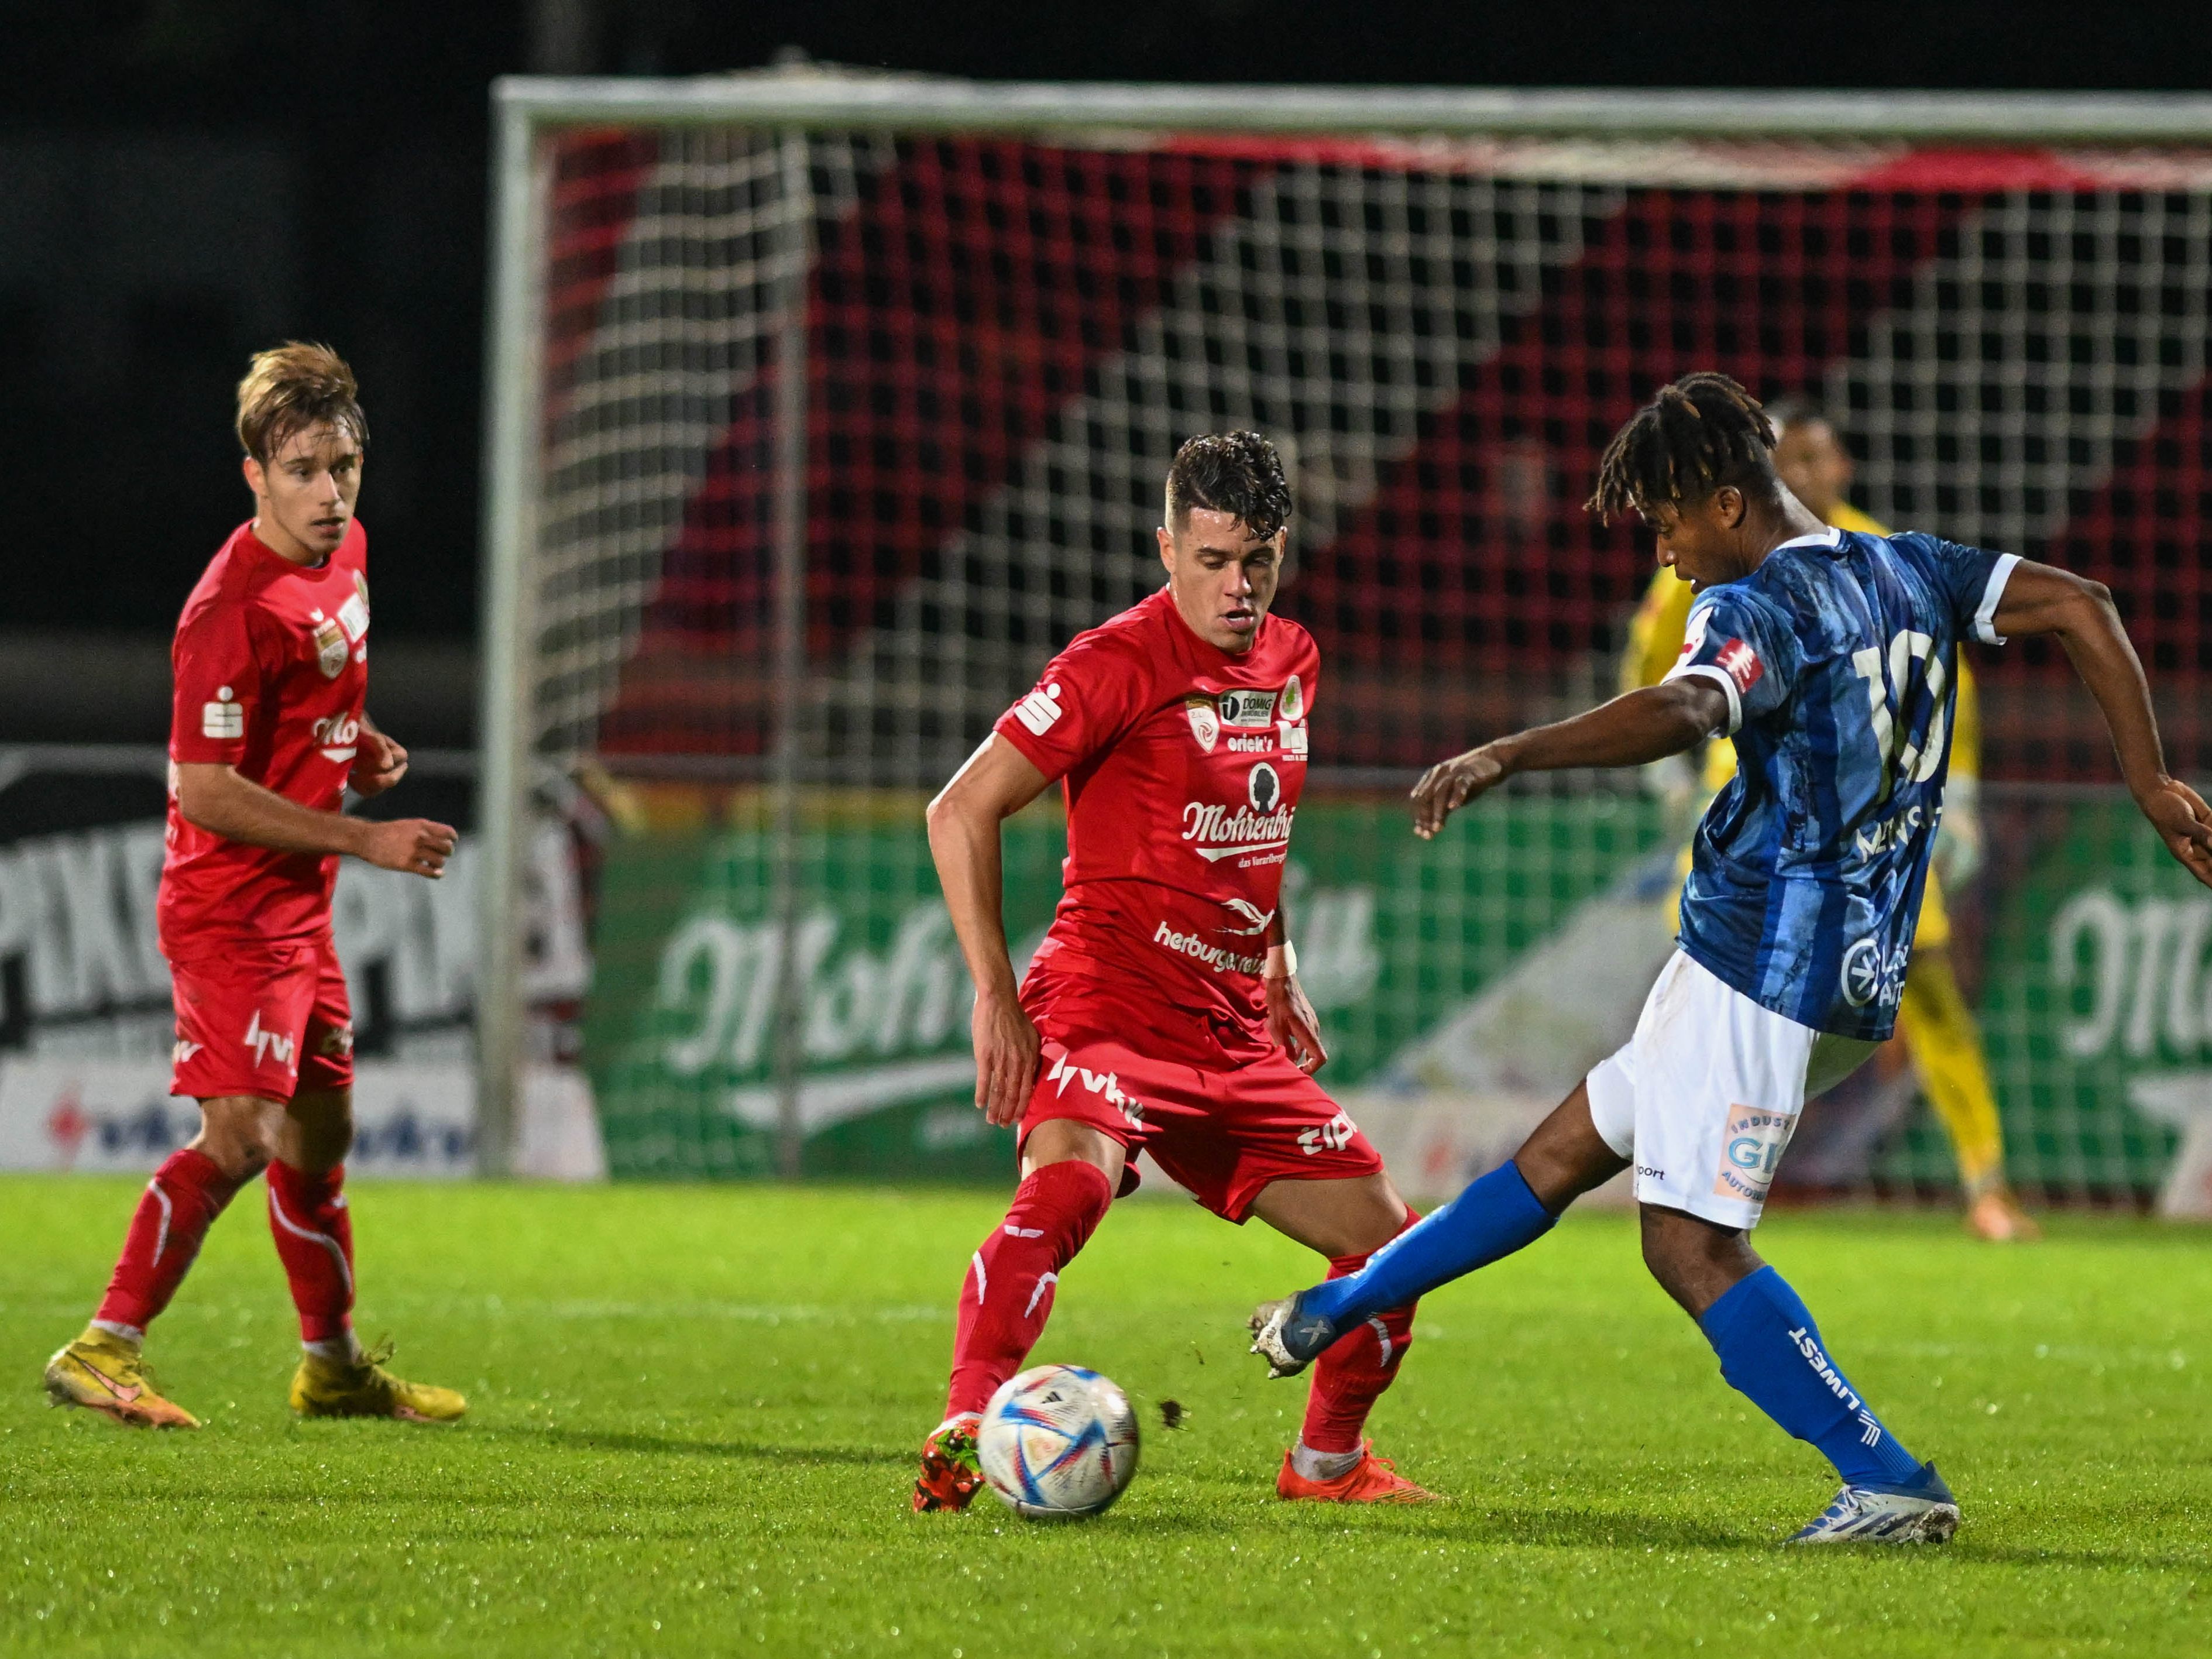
1706 1096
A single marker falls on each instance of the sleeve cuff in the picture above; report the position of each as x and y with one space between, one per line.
1721 678
1986 615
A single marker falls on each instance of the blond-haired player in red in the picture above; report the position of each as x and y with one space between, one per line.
1163 1012
266 731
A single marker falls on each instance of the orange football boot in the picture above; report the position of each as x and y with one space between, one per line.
1372 1480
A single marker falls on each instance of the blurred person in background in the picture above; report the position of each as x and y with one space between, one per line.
1937 1032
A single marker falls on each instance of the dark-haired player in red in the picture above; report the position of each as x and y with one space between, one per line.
266 731
1162 1012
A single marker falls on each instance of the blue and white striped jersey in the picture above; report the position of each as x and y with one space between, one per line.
1838 655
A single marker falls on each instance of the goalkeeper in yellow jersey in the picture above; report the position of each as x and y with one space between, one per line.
1933 1021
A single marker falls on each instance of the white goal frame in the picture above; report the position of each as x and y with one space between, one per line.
795 103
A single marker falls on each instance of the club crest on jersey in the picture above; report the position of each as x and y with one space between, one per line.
330 648
1205 724
1246 708
1294 700
1264 788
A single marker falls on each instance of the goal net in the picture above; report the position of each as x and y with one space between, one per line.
825 409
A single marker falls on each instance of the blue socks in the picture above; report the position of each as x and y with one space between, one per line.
1495 1216
1771 1352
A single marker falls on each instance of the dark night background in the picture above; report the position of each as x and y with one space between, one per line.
184 181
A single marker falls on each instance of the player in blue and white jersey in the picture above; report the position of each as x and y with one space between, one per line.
1829 656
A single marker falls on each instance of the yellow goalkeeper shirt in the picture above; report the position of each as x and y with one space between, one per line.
1654 640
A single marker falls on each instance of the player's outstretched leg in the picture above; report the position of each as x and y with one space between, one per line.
314 1232
1007 1296
1497 1214
105 1368
1771 1352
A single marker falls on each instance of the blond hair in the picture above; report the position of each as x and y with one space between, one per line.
290 387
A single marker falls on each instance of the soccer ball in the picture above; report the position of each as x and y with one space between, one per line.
1058 1442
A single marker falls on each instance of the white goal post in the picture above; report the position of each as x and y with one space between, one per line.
616 426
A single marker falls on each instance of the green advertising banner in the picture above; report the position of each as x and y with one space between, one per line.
1393 934
2095 1004
1463 984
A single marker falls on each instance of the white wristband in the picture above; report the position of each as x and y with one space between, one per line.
1289 952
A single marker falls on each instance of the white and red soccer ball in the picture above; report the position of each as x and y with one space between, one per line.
1058 1442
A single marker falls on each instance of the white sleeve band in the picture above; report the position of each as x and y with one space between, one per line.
1986 616
1290 958
1719 677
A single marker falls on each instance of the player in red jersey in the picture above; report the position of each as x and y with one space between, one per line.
1163 1012
266 731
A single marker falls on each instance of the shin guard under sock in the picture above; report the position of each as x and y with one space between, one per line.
313 1231
1495 1216
1770 1352
1008 1292
179 1204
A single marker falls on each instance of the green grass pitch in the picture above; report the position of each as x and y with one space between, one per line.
694 1408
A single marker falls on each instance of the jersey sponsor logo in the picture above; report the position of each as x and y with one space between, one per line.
1866 976
1294 700
1220 957
1246 708
1264 788
1220 832
1251 746
1861 974
1294 742
222 720
1039 709
335 735
1333 1136
1740 664
1257 918
353 617
1891 831
1750 1148
184 1051
1205 724
336 1043
1105 1084
330 648
265 1043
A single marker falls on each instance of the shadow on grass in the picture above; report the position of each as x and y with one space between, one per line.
656 1445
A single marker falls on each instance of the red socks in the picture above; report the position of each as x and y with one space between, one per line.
314 1240
1350 1377
179 1204
1007 1296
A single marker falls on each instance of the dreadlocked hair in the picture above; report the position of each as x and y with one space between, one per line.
1696 435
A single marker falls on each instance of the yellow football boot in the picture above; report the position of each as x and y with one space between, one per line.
333 1388
107 1373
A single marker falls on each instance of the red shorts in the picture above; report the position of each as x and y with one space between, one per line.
1224 1130
266 1019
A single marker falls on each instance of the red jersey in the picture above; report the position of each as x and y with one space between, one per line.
1183 764
271 666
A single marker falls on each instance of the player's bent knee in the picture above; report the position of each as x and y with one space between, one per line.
1694 1261
1060 1140
1565 1156
239 1133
